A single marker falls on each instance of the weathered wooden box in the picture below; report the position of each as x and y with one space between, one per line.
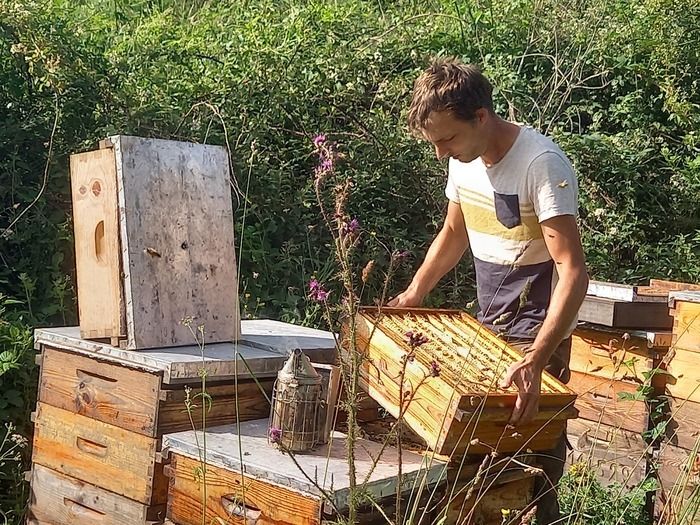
450 390
102 412
240 478
607 365
614 454
617 355
153 226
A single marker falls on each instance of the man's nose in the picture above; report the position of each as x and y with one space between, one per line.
441 153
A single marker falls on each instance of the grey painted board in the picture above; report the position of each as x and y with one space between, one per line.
176 232
621 292
182 364
688 297
327 465
284 337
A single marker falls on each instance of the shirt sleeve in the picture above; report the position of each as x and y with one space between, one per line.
451 188
552 186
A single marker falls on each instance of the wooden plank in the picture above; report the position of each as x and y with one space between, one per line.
609 355
683 427
326 464
672 285
686 325
97 251
226 400
599 401
178 253
615 455
183 364
62 500
232 497
619 314
683 379
103 455
107 392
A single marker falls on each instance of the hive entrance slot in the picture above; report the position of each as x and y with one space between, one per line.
100 242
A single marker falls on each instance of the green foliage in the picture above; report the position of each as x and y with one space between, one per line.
615 82
586 502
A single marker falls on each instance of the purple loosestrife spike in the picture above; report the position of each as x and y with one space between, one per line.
434 369
319 139
275 435
316 291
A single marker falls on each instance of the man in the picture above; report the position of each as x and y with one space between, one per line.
513 200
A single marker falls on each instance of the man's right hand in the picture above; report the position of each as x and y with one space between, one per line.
407 299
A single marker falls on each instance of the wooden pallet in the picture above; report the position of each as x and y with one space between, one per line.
462 410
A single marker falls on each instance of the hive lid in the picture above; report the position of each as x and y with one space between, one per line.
327 465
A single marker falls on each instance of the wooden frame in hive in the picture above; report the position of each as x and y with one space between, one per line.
461 409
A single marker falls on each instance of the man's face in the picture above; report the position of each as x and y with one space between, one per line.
454 137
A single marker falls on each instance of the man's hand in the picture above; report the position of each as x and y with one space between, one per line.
527 376
407 299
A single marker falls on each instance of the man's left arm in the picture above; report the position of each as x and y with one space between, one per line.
564 244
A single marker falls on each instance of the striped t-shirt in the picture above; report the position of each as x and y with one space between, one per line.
503 206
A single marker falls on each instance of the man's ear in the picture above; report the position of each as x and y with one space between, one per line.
481 115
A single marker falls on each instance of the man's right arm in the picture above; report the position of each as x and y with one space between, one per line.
444 254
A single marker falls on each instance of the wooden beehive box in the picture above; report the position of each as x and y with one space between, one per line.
153 226
247 480
103 410
462 410
684 356
607 364
615 455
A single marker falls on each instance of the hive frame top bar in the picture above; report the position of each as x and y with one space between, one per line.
263 347
550 384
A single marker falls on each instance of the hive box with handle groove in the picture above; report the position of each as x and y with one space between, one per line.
154 242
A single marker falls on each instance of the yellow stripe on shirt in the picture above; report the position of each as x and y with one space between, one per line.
485 221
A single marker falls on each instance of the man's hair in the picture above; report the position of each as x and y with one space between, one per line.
448 85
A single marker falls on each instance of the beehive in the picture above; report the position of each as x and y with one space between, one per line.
153 225
102 413
450 385
684 380
247 480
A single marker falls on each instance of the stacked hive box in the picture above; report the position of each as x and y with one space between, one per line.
609 369
248 481
679 454
103 411
446 390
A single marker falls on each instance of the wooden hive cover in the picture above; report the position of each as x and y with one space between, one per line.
462 410
245 448
154 239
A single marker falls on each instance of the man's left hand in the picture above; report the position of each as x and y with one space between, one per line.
527 376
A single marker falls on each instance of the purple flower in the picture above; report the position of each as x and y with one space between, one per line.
275 435
319 139
400 254
352 226
317 292
416 339
434 369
